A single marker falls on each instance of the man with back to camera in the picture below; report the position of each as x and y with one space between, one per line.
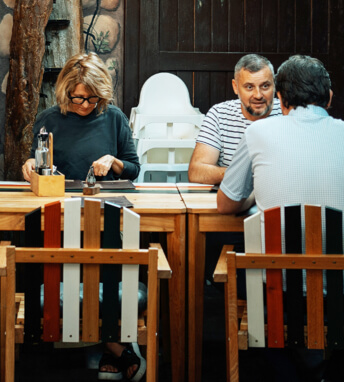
225 123
293 159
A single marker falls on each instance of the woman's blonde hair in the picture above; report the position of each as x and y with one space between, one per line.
90 71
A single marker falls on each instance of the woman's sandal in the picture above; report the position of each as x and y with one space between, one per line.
131 356
109 360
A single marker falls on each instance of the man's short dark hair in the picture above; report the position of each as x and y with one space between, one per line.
302 81
253 63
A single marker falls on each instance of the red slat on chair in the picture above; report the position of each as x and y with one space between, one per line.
315 303
274 291
52 274
90 308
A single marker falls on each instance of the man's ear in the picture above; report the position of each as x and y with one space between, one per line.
285 111
235 86
329 102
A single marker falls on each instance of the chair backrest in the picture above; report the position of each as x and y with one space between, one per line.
164 93
90 257
164 110
298 233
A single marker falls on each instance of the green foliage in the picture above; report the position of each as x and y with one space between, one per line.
101 42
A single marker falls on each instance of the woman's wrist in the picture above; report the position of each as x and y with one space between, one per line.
117 166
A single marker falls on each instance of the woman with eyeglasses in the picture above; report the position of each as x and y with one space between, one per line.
87 129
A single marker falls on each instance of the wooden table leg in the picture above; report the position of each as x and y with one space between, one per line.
177 294
196 264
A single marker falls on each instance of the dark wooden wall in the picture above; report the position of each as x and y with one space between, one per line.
201 41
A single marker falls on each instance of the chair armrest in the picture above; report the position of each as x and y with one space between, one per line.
164 269
220 273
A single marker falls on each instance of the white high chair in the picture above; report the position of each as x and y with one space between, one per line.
165 126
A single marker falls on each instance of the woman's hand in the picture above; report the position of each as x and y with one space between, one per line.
103 165
27 168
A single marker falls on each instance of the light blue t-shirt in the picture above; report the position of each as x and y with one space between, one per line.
298 158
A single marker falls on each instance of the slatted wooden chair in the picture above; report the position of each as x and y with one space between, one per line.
256 331
89 264
7 313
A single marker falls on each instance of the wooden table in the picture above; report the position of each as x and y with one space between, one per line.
161 209
203 217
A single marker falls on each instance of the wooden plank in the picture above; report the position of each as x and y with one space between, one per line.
164 269
219 24
215 62
320 29
168 31
152 319
3 294
236 27
33 278
130 278
269 29
335 306
232 322
202 91
71 272
218 87
295 310
186 25
87 256
220 273
253 25
290 261
52 274
303 25
111 274
131 89
274 292
286 27
90 305
149 38
202 23
10 313
315 301
254 284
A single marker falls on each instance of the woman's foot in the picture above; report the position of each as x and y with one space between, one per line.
109 369
120 360
132 363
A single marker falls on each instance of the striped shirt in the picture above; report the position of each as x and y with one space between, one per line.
224 126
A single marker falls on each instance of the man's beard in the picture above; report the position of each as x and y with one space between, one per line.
250 110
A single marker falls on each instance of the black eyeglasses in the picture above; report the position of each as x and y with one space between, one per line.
80 100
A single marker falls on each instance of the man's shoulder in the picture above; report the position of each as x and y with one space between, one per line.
227 109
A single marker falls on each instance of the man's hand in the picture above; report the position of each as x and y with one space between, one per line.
27 168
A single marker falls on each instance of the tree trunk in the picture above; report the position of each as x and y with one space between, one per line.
27 49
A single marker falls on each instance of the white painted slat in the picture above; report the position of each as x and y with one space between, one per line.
71 272
130 278
254 284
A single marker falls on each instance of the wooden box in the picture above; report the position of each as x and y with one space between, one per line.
47 185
